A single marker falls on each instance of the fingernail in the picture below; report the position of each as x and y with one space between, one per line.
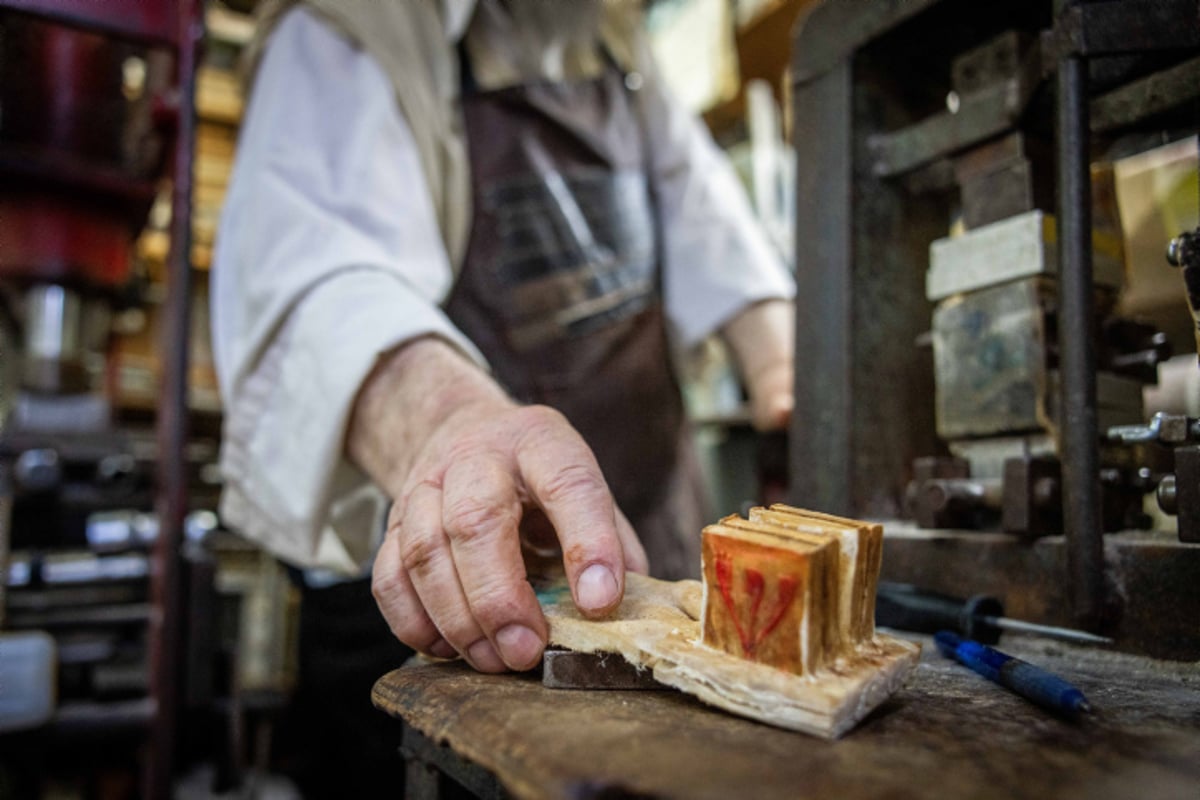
520 647
484 657
596 589
442 649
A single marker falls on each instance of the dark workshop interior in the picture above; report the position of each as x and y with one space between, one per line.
358 358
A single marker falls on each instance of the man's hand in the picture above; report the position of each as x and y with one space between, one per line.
464 464
762 340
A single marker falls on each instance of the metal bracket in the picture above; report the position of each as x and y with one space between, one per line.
1163 428
1184 489
982 114
1125 26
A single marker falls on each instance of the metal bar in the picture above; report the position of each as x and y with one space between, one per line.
984 114
103 719
1187 483
5 534
1054 631
835 30
93 616
1078 437
1127 26
1144 97
171 502
128 19
65 169
569 669
820 436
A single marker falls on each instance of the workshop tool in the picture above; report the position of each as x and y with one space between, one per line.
1183 252
848 59
1031 682
1178 492
981 617
568 669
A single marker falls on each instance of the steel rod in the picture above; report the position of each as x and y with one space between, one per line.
166 584
1068 634
822 422
1078 438
6 502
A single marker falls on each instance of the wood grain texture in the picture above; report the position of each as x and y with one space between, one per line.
833 591
948 733
770 601
861 555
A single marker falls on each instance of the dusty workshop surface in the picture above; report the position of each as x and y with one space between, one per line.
949 733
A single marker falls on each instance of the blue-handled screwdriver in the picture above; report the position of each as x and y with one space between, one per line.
1033 683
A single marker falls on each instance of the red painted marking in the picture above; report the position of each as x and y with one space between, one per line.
755 585
787 593
724 570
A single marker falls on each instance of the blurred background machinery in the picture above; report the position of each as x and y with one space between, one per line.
135 634
97 103
967 301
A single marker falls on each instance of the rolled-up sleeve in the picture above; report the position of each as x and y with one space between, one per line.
716 258
328 256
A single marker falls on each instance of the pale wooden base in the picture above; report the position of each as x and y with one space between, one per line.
658 627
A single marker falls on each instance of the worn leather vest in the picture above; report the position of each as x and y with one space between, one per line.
560 290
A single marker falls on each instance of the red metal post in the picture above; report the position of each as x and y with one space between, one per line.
172 428
126 19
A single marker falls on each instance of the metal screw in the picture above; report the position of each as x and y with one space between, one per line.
1181 250
37 470
1045 492
1167 495
115 468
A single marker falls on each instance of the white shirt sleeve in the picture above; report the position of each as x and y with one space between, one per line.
716 258
328 256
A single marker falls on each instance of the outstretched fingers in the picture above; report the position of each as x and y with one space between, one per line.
450 576
398 601
427 563
563 478
481 515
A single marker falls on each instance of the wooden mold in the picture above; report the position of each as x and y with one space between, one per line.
770 596
781 630
861 554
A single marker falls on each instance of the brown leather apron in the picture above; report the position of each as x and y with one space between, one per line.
560 290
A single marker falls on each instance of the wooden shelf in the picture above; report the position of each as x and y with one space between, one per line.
219 96
764 48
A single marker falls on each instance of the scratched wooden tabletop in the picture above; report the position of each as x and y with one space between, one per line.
948 734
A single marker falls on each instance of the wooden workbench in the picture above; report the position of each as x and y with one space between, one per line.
948 734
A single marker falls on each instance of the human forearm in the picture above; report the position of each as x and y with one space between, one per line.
411 393
762 340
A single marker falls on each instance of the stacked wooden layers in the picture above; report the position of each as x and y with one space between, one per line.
788 588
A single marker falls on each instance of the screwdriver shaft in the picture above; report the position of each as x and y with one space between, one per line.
1069 634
